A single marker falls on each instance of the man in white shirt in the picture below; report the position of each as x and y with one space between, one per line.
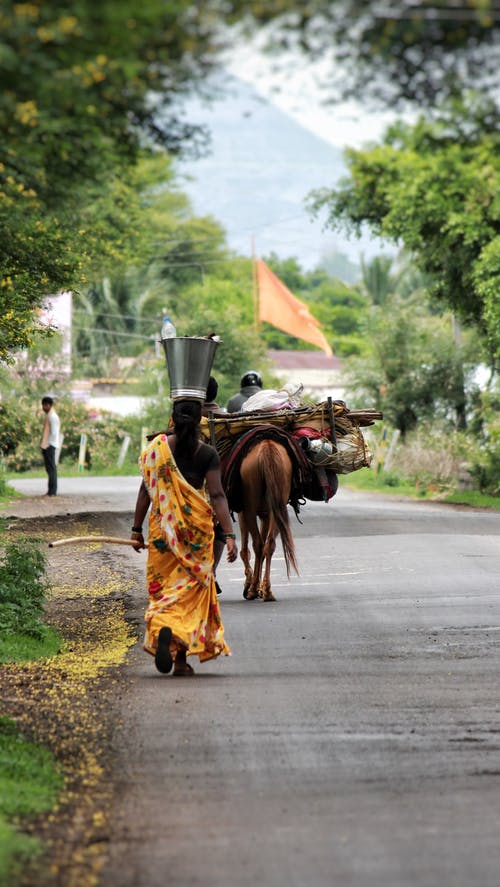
50 443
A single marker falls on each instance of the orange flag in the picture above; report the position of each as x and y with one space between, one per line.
279 307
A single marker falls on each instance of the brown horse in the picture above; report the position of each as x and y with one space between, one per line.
266 478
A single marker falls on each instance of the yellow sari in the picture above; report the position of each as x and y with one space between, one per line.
179 573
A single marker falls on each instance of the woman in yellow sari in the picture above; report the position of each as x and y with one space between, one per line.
183 615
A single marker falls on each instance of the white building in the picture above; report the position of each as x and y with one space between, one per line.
320 375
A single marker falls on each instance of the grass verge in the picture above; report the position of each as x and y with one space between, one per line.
30 783
391 484
64 702
20 647
128 468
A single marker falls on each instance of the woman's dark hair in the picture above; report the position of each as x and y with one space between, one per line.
186 415
212 389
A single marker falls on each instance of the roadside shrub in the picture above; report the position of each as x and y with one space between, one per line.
20 436
104 432
392 479
432 455
23 588
484 443
4 487
16 423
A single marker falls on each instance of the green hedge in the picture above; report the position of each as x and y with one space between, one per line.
21 423
23 588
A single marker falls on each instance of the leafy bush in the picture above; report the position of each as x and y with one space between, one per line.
23 588
16 423
105 434
431 455
484 444
4 488
20 438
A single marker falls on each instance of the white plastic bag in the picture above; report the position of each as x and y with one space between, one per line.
286 398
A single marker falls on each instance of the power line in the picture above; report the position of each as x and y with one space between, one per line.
123 316
250 229
95 329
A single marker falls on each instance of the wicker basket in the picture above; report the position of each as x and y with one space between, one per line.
350 449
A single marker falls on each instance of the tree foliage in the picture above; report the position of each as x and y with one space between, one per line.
75 105
153 251
23 588
412 51
416 370
434 187
84 87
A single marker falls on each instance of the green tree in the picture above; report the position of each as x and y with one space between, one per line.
377 279
224 305
84 88
74 105
434 188
412 51
384 276
416 369
156 246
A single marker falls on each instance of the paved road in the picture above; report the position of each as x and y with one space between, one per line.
75 494
353 738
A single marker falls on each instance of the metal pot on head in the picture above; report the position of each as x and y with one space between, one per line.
189 364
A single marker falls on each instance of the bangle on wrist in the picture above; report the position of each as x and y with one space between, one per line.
136 529
230 535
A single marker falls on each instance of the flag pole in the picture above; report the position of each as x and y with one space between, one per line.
255 288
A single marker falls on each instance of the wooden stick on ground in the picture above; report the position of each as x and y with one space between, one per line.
74 539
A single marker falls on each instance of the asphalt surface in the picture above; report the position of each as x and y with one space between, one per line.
353 737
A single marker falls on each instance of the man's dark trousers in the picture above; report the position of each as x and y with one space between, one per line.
49 457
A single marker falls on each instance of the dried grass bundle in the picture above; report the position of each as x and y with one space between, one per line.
350 449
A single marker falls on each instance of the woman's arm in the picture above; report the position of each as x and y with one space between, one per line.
141 509
221 508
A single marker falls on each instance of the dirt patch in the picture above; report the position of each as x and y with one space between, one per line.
70 703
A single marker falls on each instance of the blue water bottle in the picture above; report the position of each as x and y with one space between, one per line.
168 330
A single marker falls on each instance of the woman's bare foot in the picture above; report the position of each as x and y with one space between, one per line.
181 667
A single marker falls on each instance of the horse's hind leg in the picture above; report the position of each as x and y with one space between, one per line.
253 590
269 549
245 553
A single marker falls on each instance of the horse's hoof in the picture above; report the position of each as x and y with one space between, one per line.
250 595
269 596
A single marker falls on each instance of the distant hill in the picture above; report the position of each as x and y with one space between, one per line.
254 181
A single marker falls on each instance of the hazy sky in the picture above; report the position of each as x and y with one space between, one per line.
299 87
258 193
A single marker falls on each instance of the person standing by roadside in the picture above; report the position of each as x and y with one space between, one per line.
50 442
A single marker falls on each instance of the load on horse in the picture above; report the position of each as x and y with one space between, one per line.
275 458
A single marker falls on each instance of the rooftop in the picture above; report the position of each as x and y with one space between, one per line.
304 360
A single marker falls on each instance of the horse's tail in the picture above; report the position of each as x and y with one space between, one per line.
277 483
